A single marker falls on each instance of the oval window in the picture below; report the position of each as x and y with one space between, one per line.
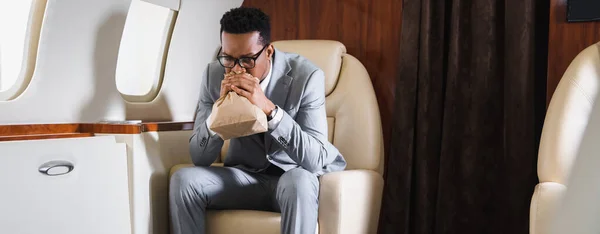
143 49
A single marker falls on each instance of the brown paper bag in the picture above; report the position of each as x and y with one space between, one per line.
235 116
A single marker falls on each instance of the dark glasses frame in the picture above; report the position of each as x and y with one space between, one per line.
237 60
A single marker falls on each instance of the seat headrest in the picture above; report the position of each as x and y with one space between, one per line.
568 115
326 54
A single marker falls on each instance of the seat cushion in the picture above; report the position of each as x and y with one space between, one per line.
546 199
242 221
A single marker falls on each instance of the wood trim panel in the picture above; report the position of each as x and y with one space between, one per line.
167 126
37 129
111 128
566 40
48 131
44 136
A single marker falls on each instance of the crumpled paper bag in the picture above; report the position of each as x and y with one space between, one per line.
235 116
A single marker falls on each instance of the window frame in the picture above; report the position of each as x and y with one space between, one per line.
159 78
30 51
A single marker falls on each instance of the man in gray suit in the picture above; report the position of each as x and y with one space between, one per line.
273 171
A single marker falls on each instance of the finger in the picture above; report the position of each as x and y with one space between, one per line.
241 92
244 84
231 73
224 87
225 82
246 76
250 78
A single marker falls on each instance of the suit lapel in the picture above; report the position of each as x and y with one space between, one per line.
279 86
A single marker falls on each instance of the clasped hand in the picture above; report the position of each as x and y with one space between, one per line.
247 86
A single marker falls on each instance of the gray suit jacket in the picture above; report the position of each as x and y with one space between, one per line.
300 139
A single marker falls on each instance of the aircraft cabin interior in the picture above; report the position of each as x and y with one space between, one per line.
299 116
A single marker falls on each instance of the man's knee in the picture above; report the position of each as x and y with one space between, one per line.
181 178
184 184
297 183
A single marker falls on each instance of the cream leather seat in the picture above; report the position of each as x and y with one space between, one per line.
349 201
564 126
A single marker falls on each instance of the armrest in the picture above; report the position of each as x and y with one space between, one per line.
349 201
545 201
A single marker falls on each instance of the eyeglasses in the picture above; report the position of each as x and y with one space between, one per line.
244 62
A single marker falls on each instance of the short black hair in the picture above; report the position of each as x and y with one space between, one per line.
246 19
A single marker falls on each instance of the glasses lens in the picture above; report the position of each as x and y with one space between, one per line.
247 62
227 61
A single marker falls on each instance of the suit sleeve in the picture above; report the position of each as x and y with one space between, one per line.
304 139
204 146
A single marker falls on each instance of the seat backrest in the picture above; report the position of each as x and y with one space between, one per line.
567 116
352 112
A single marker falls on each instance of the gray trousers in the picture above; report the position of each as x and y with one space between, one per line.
193 190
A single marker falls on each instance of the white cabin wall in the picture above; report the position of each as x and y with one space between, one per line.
75 58
74 77
74 81
151 155
194 43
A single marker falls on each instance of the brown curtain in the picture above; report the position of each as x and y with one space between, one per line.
462 154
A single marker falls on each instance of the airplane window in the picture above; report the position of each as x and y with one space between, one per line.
142 52
18 42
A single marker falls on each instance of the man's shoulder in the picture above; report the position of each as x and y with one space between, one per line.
301 67
305 74
214 69
214 73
